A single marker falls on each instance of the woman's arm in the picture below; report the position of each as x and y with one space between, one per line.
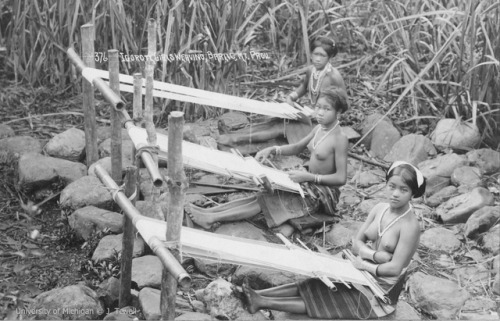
290 149
338 178
301 90
359 241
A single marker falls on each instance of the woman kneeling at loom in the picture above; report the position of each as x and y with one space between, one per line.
384 244
327 166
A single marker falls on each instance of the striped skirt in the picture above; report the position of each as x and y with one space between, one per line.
344 303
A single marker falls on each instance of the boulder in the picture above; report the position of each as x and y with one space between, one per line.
364 208
148 209
369 178
86 191
38 171
105 163
104 132
466 175
348 197
455 134
459 208
124 314
441 196
339 236
482 220
189 135
495 287
491 240
486 159
438 171
111 245
241 229
6 131
21 145
438 297
146 271
90 219
203 128
472 277
208 141
381 139
223 304
146 184
411 148
109 293
74 302
234 120
477 304
404 311
263 278
440 239
69 145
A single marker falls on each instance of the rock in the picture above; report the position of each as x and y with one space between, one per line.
21 145
477 304
38 171
339 236
124 314
486 159
241 229
69 145
455 134
189 134
438 171
104 132
146 271
105 163
459 208
202 128
90 219
441 196
479 316
350 132
440 239
368 178
263 278
234 120
472 277
495 288
404 311
384 136
128 158
6 131
194 316
86 191
496 265
110 245
441 298
364 208
149 300
208 141
74 302
491 240
352 225
109 292
482 220
285 229
148 209
411 148
222 303
348 197
378 191
466 175
353 166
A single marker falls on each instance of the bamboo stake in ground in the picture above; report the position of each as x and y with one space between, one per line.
137 101
87 31
176 187
116 128
127 240
148 100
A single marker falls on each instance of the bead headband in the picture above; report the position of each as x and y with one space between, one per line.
420 176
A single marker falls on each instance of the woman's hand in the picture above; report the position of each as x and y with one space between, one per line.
264 154
299 176
290 101
358 263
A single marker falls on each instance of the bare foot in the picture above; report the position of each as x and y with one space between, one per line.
204 220
252 298
226 139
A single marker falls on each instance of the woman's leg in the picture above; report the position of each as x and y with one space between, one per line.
284 290
225 206
238 213
256 134
256 301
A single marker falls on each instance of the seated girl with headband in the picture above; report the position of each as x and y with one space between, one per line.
385 245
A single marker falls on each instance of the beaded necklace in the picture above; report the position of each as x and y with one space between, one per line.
314 145
318 77
381 233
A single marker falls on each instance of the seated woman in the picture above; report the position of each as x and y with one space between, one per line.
319 76
327 165
384 244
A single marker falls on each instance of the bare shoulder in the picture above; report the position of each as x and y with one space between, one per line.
341 138
411 225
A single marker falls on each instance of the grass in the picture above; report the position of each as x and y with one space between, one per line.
429 58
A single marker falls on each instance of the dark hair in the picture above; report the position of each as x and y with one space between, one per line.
337 97
327 44
409 176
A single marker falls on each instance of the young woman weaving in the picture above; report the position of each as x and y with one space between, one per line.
327 167
384 244
319 76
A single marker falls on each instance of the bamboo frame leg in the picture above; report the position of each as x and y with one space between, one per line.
127 242
116 128
177 186
91 150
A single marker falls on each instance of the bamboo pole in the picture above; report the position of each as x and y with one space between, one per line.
116 128
176 187
91 150
137 101
115 100
108 94
148 100
172 266
127 241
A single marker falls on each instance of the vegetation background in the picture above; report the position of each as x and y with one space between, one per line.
422 60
